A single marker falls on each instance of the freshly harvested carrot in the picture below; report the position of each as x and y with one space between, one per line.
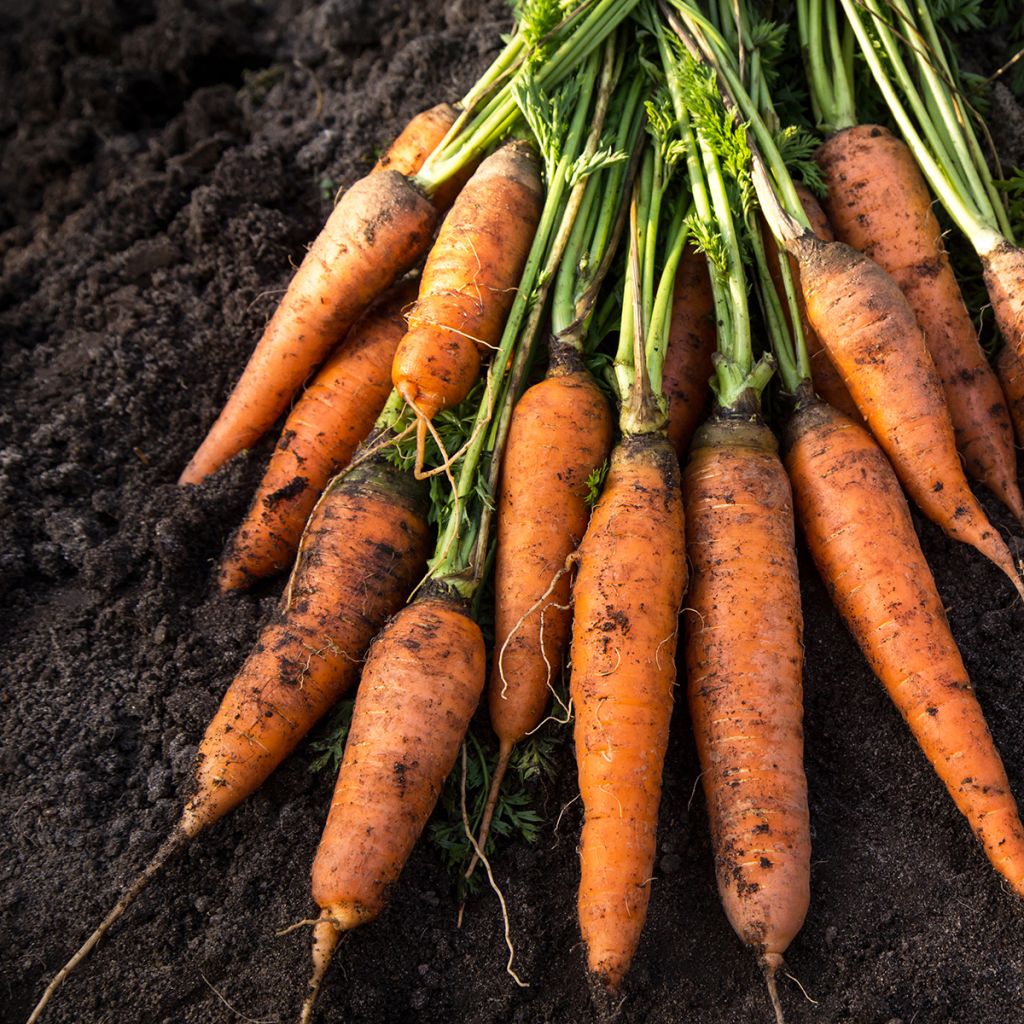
1004 279
873 338
378 230
561 433
827 381
691 345
469 281
860 533
365 548
1010 368
422 683
744 660
630 584
879 203
334 414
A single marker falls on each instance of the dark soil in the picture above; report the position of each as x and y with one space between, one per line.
159 169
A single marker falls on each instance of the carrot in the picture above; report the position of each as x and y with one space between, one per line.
1004 279
332 417
421 684
561 433
377 231
469 281
744 660
880 205
691 345
365 547
860 533
827 381
1010 368
626 602
862 316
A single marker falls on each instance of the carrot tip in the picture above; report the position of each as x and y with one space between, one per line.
770 964
326 936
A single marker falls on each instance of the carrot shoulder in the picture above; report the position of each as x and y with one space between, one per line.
744 661
379 229
871 334
334 414
632 575
862 539
879 204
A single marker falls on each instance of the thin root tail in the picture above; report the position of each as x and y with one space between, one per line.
770 964
504 753
326 936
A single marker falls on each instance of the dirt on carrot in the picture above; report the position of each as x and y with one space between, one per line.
129 241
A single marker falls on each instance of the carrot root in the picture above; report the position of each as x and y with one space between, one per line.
504 753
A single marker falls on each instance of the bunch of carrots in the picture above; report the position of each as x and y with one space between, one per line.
525 368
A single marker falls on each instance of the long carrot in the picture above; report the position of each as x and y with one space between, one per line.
365 548
420 687
744 624
879 203
469 281
861 536
691 346
334 414
744 660
378 230
542 502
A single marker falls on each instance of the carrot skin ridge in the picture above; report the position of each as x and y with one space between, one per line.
422 682
848 498
880 205
561 432
469 281
688 363
744 659
331 418
623 674
878 347
378 230
365 548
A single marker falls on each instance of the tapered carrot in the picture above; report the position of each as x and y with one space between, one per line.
744 660
469 281
421 685
334 414
1004 279
378 230
860 534
630 583
879 203
365 547
691 345
873 338
561 433
827 381
1010 368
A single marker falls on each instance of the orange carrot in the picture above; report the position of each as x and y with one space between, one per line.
871 334
365 548
379 229
861 536
469 281
827 381
561 433
632 575
879 204
1010 367
421 685
1004 279
332 417
691 344
744 660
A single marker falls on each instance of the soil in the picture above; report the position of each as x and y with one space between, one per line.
161 164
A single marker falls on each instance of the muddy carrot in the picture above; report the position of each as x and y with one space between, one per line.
879 204
1010 367
364 549
334 414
